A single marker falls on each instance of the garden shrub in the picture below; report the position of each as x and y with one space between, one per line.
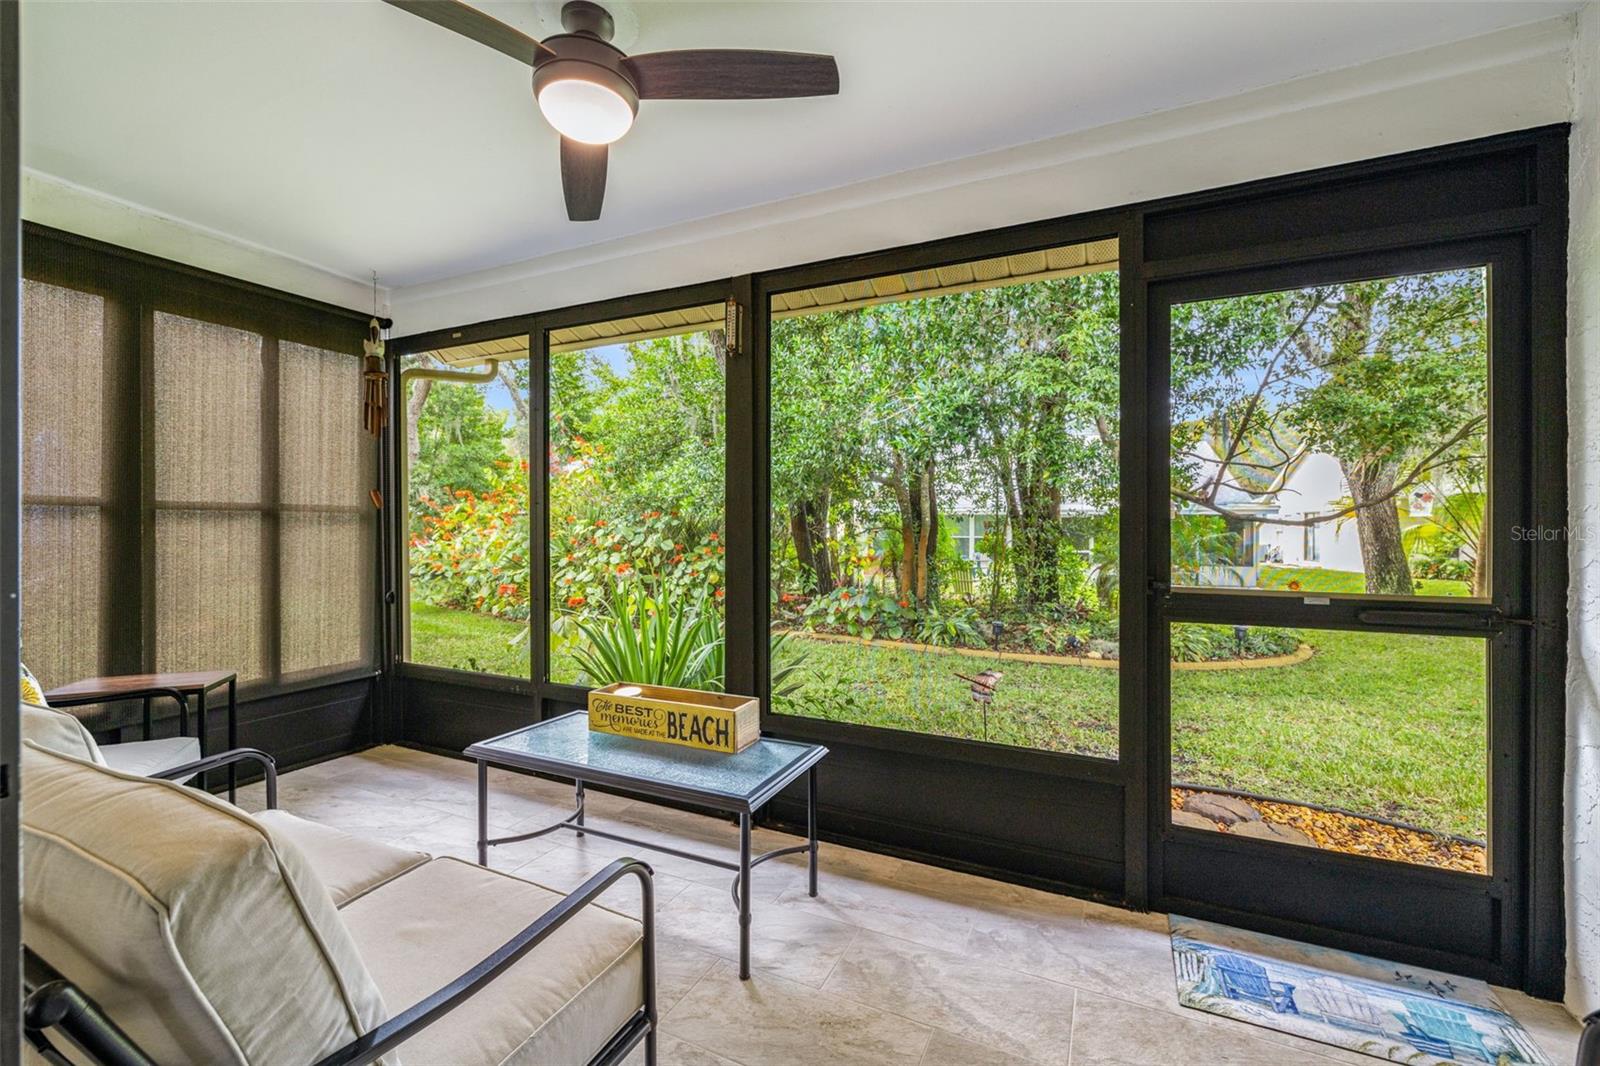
588 555
861 611
469 550
643 637
1445 568
947 626
1196 642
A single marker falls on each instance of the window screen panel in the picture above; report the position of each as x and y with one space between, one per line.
209 592
62 592
208 382
326 533
63 477
326 610
260 555
63 367
326 455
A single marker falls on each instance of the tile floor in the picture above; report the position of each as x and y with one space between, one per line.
894 963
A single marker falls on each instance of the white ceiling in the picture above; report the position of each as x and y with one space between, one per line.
355 137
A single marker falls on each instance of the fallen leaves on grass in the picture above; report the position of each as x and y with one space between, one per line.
1363 836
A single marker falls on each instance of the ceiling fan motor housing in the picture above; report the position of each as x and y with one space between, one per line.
587 58
589 90
582 16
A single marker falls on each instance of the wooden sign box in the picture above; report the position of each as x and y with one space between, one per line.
712 721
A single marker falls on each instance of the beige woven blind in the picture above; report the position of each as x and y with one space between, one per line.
213 515
63 440
327 526
208 443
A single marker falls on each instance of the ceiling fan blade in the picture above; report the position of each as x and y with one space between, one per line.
475 25
583 178
731 74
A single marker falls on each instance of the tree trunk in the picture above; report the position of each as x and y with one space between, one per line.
927 535
913 493
827 576
1038 544
1383 556
902 499
414 405
808 525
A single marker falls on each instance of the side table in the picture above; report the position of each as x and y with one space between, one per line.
177 686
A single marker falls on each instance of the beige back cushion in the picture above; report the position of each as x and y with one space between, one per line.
208 941
58 731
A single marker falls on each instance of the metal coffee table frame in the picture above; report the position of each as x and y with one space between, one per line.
744 807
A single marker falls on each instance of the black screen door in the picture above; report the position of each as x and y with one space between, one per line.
1337 664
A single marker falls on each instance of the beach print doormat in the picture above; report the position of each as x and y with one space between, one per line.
1387 1010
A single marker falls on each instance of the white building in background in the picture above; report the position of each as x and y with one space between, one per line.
1275 493
1271 491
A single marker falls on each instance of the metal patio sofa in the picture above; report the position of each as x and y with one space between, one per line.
164 925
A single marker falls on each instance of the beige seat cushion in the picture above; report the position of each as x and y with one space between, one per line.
556 1007
146 757
56 730
203 936
348 866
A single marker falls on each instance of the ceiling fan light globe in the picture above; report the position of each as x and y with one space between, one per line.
585 110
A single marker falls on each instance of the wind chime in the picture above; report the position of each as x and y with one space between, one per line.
375 411
375 381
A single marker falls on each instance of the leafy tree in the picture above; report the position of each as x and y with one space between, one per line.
460 439
1039 381
1388 376
914 420
820 386
1009 393
652 432
514 377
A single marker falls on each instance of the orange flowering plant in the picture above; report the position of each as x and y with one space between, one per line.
469 550
590 554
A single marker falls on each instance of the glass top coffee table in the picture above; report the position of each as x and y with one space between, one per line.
740 784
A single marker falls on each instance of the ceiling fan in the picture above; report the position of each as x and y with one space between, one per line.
589 90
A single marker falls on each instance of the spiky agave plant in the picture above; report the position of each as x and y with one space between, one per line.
650 640
677 642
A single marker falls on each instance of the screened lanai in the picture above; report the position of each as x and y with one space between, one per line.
859 566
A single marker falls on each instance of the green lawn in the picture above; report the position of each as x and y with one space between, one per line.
1384 724
1315 579
462 640
1387 724
1372 723
1058 708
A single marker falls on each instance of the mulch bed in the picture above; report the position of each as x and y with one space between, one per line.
1363 836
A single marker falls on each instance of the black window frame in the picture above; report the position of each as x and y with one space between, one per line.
136 287
952 802
1508 714
1017 240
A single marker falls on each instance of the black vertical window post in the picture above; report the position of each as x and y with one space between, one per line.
1133 555
745 626
539 513
10 530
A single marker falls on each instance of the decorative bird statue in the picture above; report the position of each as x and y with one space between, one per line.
983 685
